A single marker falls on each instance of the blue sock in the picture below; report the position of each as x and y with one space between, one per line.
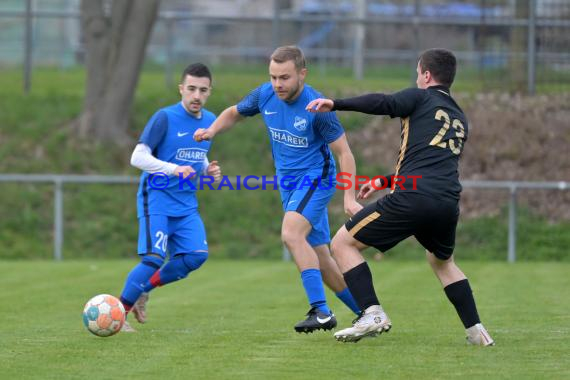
313 284
133 286
346 297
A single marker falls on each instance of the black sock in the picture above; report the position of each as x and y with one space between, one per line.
461 296
359 281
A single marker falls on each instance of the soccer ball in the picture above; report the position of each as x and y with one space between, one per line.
104 315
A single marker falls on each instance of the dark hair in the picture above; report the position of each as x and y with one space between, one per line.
441 63
198 70
289 53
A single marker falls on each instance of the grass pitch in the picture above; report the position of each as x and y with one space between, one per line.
234 319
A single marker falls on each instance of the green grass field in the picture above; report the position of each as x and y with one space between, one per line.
233 319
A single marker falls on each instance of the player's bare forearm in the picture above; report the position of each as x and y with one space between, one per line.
347 165
227 119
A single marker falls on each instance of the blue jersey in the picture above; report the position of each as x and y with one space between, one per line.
170 136
299 139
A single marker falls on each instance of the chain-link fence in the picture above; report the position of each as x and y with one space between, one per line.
60 180
517 45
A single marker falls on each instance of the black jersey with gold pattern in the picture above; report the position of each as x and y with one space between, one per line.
434 131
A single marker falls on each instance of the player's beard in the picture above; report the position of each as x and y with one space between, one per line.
291 95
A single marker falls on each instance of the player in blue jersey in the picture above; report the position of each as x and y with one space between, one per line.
301 143
167 207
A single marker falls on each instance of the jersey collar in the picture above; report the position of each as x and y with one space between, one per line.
190 114
441 88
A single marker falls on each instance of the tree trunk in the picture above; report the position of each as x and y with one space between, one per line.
115 42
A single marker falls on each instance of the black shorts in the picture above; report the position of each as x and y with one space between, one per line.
399 215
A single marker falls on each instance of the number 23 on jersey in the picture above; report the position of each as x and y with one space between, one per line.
454 144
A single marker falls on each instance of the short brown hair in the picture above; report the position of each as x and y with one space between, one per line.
198 70
441 63
289 53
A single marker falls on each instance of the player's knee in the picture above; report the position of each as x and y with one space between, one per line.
336 245
290 238
177 268
434 260
340 240
439 265
181 265
153 260
195 260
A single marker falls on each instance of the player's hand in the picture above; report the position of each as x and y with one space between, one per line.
215 171
320 105
367 190
202 134
351 208
185 171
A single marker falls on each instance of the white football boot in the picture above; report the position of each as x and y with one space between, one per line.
371 323
477 335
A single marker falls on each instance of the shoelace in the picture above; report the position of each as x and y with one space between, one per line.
312 311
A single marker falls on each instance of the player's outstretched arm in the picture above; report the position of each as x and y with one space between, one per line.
320 105
227 119
399 104
375 104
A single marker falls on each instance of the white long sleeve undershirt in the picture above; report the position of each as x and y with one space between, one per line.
143 159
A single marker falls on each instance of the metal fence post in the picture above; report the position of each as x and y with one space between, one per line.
513 225
169 52
28 48
359 34
531 51
275 25
416 31
58 220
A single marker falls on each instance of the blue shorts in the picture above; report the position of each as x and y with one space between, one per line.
310 200
160 234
